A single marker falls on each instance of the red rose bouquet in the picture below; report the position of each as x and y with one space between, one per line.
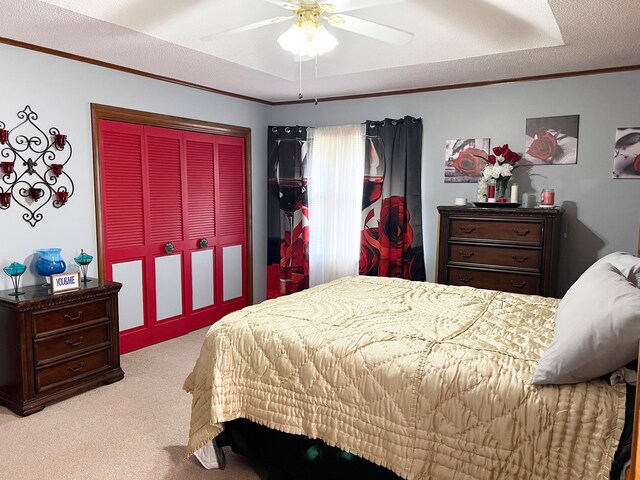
501 163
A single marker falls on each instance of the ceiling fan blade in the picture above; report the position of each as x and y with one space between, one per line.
251 26
347 5
370 29
288 5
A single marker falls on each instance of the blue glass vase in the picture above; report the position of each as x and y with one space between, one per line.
49 262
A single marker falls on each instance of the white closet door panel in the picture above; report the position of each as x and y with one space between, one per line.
232 272
130 299
202 278
168 286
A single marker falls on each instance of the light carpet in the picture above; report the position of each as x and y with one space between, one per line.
136 428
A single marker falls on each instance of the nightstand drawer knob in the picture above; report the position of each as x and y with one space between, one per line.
464 279
522 233
519 285
467 229
465 254
522 259
76 369
69 318
76 343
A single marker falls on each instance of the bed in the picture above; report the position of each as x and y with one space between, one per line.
425 381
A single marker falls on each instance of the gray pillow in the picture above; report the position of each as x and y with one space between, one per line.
629 265
597 328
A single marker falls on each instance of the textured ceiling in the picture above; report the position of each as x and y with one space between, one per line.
454 42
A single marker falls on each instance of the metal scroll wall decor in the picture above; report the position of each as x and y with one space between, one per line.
33 167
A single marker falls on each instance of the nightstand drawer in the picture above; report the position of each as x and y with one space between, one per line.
75 368
519 232
70 343
70 316
525 258
505 281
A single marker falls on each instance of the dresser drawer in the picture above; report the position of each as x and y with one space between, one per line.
70 316
520 232
75 368
71 342
526 258
505 281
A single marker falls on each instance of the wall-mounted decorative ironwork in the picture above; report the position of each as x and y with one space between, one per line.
33 167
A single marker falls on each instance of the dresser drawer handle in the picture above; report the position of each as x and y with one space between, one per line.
522 259
76 369
69 318
465 254
467 229
76 343
521 233
519 285
464 279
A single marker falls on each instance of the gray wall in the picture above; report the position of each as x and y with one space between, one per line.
602 214
61 92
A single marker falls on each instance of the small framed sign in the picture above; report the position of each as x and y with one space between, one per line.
63 282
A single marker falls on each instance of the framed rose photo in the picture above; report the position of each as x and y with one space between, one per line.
552 140
465 159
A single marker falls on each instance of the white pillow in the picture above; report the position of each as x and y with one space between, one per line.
597 328
629 265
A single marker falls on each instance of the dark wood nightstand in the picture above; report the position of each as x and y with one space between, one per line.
508 249
55 346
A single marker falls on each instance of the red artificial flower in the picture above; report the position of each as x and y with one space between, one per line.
492 159
512 157
497 150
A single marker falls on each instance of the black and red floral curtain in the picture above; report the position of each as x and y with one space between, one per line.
391 238
287 211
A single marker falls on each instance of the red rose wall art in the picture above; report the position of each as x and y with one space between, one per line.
464 161
626 155
552 140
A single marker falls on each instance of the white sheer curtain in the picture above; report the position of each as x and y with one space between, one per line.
335 176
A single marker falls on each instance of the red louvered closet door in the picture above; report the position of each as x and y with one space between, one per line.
174 228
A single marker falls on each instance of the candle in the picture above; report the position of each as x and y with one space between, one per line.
514 193
548 197
492 191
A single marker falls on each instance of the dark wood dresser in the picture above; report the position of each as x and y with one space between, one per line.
508 249
55 346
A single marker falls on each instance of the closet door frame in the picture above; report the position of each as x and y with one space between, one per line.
106 112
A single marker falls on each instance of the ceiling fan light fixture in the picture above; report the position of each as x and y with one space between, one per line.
307 38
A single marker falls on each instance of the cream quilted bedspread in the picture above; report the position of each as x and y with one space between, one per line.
430 381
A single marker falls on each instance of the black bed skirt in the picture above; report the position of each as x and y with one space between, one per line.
296 457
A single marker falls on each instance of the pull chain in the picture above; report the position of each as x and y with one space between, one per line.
316 76
300 77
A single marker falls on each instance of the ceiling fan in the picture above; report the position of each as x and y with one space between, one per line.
308 37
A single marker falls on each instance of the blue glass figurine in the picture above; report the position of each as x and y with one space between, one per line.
15 271
84 259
